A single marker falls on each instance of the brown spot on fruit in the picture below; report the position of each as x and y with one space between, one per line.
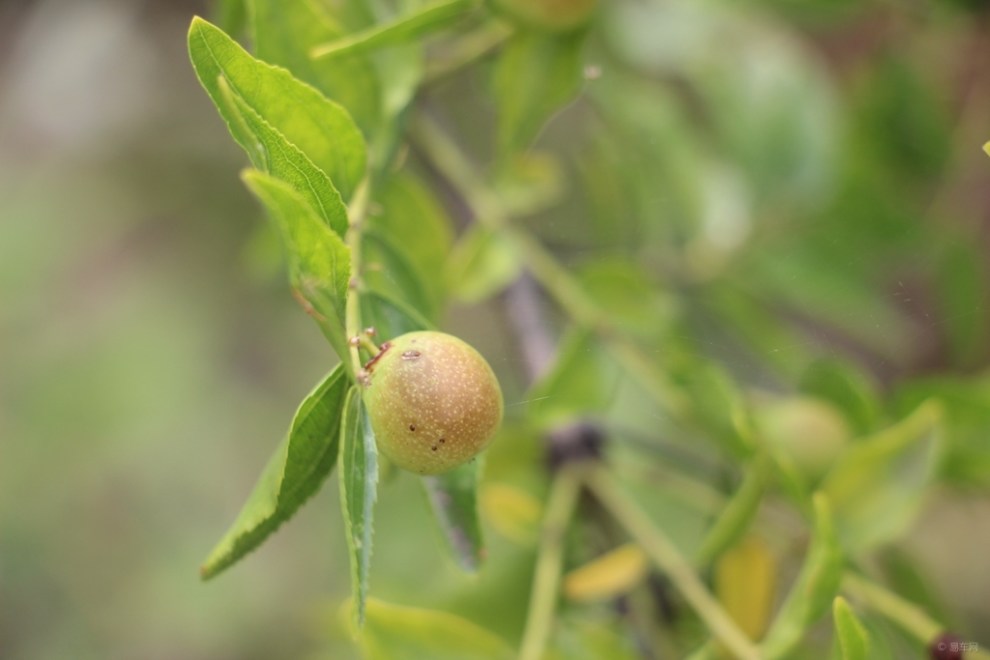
448 388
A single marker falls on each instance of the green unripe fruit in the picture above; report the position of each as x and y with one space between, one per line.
548 15
810 431
433 401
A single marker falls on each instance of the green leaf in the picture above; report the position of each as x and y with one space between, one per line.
877 486
845 386
320 128
284 33
967 417
387 269
535 76
454 498
814 589
319 261
582 380
412 217
410 27
358 490
390 317
627 295
293 474
961 282
854 641
736 516
483 263
270 152
394 631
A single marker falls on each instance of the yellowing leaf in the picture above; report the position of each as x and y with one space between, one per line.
514 513
745 579
394 632
608 576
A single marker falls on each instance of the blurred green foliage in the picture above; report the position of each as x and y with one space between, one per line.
779 206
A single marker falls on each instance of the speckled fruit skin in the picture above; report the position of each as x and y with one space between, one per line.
433 401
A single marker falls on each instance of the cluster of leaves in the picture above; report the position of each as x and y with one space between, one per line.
716 233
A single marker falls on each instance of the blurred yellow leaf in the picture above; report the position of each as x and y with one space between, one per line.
608 576
745 577
514 513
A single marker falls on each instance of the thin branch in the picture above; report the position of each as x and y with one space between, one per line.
669 560
549 563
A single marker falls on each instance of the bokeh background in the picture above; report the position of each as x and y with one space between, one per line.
151 357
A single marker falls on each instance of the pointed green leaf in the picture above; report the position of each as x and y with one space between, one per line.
394 631
320 128
878 484
270 152
454 498
409 27
284 33
293 474
536 75
736 515
854 641
319 262
814 589
358 491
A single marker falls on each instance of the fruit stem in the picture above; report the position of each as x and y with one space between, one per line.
356 212
549 563
672 563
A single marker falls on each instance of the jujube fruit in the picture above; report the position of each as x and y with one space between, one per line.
433 401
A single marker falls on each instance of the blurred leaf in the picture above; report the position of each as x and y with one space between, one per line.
284 33
320 128
591 638
532 182
454 498
319 262
809 280
847 387
582 380
482 264
413 218
719 405
387 270
390 317
395 632
608 576
409 27
293 475
813 590
962 298
535 76
514 513
967 405
272 153
358 491
878 485
745 582
854 641
736 516
231 15
626 294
